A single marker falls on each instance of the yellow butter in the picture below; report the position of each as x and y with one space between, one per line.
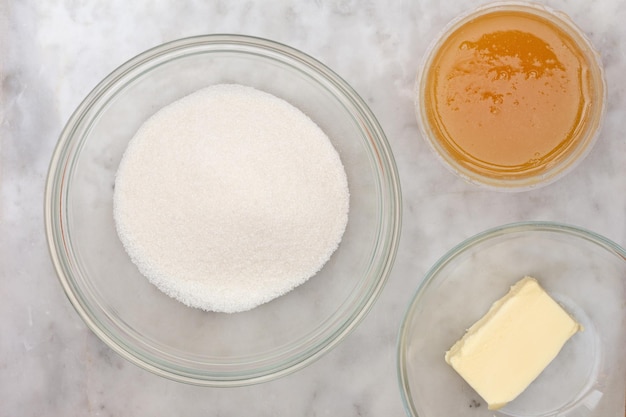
504 351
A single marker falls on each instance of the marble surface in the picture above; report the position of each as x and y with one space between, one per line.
54 52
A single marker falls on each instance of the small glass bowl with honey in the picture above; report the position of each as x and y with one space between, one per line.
511 96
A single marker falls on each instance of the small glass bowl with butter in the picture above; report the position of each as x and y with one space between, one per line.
583 272
511 96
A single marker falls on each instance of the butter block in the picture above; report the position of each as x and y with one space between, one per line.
503 352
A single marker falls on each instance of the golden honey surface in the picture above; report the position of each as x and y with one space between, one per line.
506 93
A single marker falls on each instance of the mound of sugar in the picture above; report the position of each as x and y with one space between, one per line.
229 198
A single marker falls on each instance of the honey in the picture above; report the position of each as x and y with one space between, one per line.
508 94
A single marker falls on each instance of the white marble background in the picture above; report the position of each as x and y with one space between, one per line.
53 52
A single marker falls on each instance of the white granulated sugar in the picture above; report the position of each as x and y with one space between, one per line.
229 198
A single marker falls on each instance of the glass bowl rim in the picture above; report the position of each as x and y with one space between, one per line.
389 223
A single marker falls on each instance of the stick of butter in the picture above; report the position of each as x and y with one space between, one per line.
504 351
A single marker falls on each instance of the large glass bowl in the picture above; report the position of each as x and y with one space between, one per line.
158 333
584 272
